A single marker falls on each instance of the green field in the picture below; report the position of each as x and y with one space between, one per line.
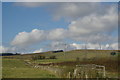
65 62
15 68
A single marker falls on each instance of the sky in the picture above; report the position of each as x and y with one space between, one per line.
42 26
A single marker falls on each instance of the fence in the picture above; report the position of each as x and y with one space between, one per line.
88 71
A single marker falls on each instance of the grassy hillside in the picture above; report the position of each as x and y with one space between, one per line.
71 55
99 57
91 55
14 68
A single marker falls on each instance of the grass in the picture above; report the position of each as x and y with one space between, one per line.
14 68
51 61
26 73
90 55
99 57
72 55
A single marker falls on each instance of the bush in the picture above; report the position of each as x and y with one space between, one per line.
41 57
52 57
113 53
77 59
38 57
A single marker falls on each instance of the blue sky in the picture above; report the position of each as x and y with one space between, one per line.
1 22
59 23
18 19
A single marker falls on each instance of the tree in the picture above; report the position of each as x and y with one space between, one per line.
38 57
52 57
77 59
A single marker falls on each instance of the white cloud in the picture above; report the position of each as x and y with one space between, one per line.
90 22
24 39
95 38
56 34
73 10
30 4
57 45
96 46
28 38
38 51
13 49
94 27
77 46
115 46
60 45
68 10
7 49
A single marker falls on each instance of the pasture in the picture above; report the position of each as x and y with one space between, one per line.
15 68
62 66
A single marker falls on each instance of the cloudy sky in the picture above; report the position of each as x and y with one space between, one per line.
44 26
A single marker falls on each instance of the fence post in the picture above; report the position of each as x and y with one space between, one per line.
86 76
104 71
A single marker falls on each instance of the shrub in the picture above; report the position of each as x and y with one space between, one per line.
52 57
41 57
77 59
38 57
